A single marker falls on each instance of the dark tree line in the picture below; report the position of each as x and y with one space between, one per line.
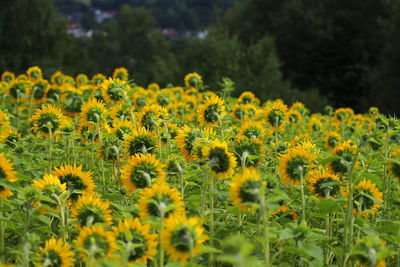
343 53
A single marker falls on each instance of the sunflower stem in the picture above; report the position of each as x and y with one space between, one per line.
212 185
50 150
159 141
2 236
162 211
264 218
349 218
303 199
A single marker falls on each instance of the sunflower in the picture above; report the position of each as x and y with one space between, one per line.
4 120
343 114
247 98
114 90
239 112
48 118
373 112
136 236
92 112
110 149
212 111
332 139
153 87
96 243
121 74
71 99
294 116
253 129
394 164
150 117
38 91
34 73
324 184
367 198
77 181
175 165
10 137
164 98
193 80
182 237
315 124
57 78
345 153
298 106
221 161
90 209
7 77
276 114
298 161
56 253
140 141
81 80
98 79
50 185
369 252
160 199
245 188
7 173
141 170
252 147
186 138
18 89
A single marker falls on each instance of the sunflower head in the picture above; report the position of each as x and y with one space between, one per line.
121 74
72 99
294 116
253 129
160 200
247 98
193 80
98 79
186 138
57 78
367 198
50 185
56 253
48 118
332 139
343 114
18 89
175 165
394 164
276 114
212 111
369 252
296 164
38 91
90 209
110 149
120 112
141 171
155 87
7 77
114 90
345 153
77 181
140 141
324 184
151 117
135 237
34 73
220 160
245 188
8 174
96 243
373 112
298 106
245 147
182 236
92 112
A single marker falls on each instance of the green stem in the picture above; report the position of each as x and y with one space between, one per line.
264 218
303 198
212 230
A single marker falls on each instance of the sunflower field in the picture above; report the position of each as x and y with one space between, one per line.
105 172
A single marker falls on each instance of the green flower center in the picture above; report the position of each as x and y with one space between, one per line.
276 117
326 186
142 144
183 239
96 244
51 258
73 183
219 160
136 239
142 174
48 121
212 113
294 165
249 191
156 201
115 92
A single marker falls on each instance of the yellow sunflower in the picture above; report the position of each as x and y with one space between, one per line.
121 74
140 141
50 185
367 198
276 114
56 253
212 111
343 114
182 236
345 152
132 234
8 173
332 139
90 209
77 181
92 112
221 161
18 90
114 90
245 188
285 210
193 80
324 184
394 164
34 73
247 97
150 117
120 112
249 151
4 120
7 77
95 243
186 137
46 119
298 161
153 87
57 78
253 129
141 170
38 91
294 116
158 200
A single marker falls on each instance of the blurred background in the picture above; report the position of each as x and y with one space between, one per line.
320 52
